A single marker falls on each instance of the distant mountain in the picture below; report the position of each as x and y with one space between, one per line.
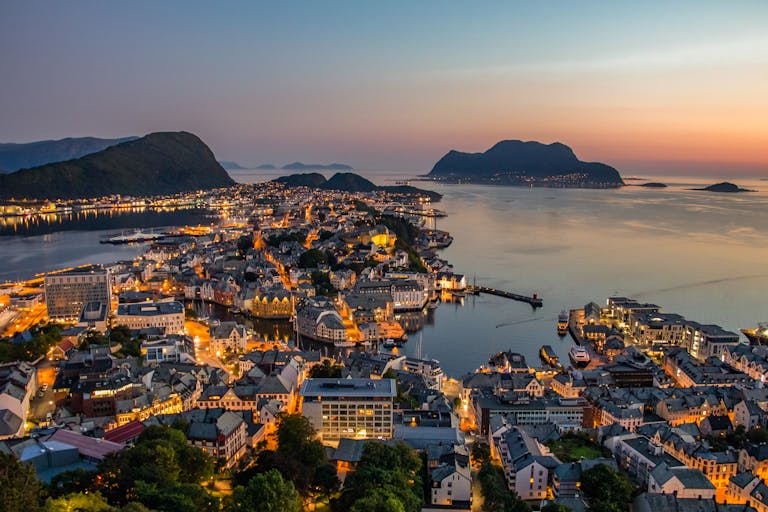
350 182
298 166
514 162
266 167
724 187
15 156
231 166
311 180
159 163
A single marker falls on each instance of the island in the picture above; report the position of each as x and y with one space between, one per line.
14 156
158 163
515 162
653 184
299 166
725 187
351 182
266 167
231 166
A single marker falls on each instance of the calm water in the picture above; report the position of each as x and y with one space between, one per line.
699 254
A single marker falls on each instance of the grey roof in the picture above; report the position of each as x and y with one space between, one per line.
690 478
651 502
150 308
349 450
348 387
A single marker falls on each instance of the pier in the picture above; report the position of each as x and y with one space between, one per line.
534 301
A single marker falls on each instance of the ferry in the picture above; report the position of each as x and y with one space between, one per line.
548 355
562 323
134 238
579 356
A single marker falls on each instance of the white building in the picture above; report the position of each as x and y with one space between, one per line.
178 349
167 316
349 408
228 336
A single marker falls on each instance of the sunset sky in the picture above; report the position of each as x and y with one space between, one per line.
645 86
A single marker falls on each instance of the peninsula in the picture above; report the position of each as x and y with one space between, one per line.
514 162
15 156
351 182
158 163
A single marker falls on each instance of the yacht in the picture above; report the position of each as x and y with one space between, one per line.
562 323
579 356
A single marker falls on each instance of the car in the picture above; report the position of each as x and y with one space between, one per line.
45 388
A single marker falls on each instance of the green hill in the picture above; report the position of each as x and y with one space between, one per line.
159 163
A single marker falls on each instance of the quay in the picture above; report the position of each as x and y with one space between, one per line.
534 300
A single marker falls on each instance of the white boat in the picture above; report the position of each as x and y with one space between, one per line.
579 356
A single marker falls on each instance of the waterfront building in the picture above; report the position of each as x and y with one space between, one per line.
67 292
168 317
318 319
687 372
407 294
275 303
349 408
228 337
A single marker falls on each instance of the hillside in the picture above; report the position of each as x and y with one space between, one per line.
350 182
514 162
159 163
15 156
725 187
231 166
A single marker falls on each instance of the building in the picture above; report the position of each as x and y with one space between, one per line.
18 382
94 316
273 304
219 433
67 292
349 408
173 348
228 337
681 482
166 316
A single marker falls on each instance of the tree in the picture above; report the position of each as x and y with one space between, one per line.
70 482
19 487
265 492
605 489
481 453
326 370
497 497
555 507
325 481
80 502
378 500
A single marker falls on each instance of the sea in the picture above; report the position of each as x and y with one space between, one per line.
699 254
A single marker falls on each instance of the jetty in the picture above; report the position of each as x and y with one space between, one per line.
533 300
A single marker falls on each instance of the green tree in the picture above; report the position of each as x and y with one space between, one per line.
70 482
555 507
79 502
496 495
481 453
379 500
326 370
19 487
605 489
265 492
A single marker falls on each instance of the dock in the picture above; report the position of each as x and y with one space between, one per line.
534 300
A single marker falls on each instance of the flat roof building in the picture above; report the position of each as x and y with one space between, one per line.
349 408
67 292
167 316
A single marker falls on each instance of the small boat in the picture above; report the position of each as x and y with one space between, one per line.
548 355
758 335
562 323
389 343
431 306
579 356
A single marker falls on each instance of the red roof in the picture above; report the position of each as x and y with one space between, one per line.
87 446
125 433
66 345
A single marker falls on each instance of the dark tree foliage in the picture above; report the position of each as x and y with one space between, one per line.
295 236
555 507
386 477
312 258
606 490
19 487
326 370
243 244
496 494
44 337
265 492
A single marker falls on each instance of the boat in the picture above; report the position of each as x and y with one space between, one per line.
431 306
548 355
562 323
388 343
579 356
758 335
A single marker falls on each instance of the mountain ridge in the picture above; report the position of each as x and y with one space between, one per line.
158 163
515 162
23 155
350 182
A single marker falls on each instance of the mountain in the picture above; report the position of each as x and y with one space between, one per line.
266 167
31 154
514 162
231 166
311 180
350 182
298 166
724 187
653 184
159 163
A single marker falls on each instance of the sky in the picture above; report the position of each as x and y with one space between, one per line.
648 87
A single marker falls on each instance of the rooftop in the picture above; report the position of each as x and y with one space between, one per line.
348 387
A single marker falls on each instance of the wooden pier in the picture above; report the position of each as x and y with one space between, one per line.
534 301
